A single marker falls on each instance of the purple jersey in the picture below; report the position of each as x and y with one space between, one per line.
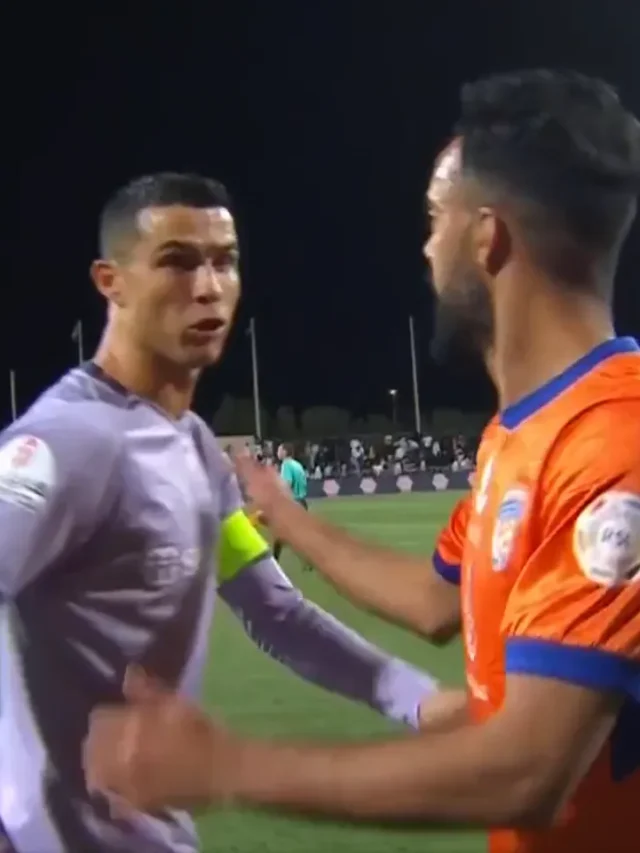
110 515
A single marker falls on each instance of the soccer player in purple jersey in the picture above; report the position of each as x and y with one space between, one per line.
120 518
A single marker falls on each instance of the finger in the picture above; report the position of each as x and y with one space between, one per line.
98 754
111 751
141 688
248 463
243 465
119 807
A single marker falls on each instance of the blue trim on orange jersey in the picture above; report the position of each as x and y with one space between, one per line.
586 666
448 571
512 416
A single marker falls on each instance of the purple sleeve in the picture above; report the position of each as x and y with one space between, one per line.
317 647
309 641
54 476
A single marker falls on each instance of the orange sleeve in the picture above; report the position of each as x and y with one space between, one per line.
574 612
447 556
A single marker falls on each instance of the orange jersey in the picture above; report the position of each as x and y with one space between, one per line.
447 557
550 580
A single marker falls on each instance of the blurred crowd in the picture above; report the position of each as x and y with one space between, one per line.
401 454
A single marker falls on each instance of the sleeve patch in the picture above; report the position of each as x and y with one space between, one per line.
27 472
606 539
240 545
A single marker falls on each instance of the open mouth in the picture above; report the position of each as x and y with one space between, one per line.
208 327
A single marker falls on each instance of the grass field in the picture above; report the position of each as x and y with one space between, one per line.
259 696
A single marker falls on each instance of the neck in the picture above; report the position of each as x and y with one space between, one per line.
537 341
145 374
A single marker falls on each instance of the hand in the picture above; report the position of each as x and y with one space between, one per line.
255 516
444 711
158 750
263 485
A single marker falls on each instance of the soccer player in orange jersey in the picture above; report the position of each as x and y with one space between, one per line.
542 175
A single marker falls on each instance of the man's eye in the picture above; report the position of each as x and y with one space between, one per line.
227 262
179 262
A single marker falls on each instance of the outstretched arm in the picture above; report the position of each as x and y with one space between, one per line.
312 643
301 635
517 769
404 588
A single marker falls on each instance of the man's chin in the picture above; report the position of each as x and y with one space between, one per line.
457 339
207 356
450 342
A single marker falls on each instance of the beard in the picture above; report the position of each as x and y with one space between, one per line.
463 322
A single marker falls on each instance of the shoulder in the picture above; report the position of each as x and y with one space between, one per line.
56 449
203 433
597 441
81 428
216 460
597 450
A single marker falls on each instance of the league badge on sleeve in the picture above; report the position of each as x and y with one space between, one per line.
606 539
27 472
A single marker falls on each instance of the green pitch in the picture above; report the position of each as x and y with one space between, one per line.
257 695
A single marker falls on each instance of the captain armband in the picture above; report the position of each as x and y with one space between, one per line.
240 545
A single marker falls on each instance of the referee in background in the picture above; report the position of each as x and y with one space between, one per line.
294 475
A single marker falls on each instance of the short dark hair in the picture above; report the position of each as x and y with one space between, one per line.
287 447
118 220
563 147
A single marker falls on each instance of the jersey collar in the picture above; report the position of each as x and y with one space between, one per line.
512 416
96 372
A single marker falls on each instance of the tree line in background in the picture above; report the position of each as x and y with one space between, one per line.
237 417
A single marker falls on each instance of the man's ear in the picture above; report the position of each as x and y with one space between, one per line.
108 281
491 242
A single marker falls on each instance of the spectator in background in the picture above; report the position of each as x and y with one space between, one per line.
295 477
357 455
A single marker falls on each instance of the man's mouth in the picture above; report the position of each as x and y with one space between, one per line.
212 324
208 328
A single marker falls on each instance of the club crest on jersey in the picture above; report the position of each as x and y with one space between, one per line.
606 539
510 515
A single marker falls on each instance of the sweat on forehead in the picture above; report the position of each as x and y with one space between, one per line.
183 219
211 226
449 162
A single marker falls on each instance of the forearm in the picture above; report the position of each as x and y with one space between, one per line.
390 583
319 648
422 780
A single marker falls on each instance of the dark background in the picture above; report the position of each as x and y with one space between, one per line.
321 117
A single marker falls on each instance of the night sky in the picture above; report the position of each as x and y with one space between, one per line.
322 118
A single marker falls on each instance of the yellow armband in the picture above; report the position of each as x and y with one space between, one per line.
240 545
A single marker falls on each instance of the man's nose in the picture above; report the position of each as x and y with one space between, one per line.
208 285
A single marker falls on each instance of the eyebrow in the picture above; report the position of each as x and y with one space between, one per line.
182 245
